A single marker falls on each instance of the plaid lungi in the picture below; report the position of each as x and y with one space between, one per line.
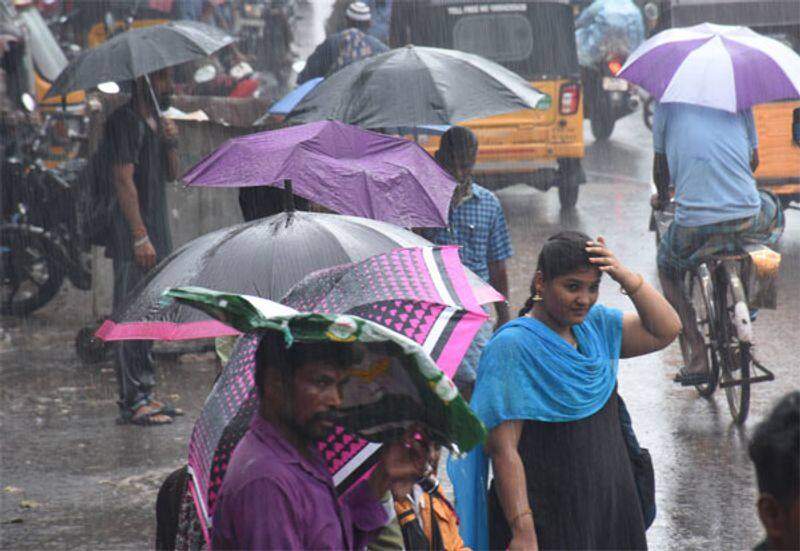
683 248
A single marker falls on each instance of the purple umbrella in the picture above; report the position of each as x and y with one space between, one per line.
341 167
717 66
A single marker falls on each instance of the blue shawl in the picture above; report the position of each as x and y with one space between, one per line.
528 372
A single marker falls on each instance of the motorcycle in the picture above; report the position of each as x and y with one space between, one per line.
40 236
607 98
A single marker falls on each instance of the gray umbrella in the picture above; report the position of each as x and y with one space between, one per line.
137 52
416 86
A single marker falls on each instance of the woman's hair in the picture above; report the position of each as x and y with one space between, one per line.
458 144
562 253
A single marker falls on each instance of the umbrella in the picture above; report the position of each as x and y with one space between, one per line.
718 66
285 105
415 86
344 168
381 402
138 52
263 258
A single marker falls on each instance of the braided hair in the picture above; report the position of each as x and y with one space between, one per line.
562 253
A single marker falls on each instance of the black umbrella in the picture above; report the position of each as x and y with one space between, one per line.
415 86
138 52
264 258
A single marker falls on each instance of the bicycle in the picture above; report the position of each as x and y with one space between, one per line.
723 315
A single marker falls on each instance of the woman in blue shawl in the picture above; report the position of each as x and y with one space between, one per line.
546 391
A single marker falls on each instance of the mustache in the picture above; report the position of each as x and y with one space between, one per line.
329 416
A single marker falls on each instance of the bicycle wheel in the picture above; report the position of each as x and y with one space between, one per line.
701 292
735 344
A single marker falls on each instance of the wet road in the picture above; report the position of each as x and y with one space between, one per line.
73 478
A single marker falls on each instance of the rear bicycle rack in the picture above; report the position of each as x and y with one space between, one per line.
766 375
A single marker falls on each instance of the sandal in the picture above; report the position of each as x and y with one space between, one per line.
687 378
144 419
166 409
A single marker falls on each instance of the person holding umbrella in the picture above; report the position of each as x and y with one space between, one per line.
706 79
141 148
277 492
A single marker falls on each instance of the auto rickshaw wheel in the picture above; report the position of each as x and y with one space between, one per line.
570 177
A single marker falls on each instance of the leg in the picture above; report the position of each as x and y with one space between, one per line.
674 293
135 375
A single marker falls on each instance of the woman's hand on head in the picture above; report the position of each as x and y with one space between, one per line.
607 262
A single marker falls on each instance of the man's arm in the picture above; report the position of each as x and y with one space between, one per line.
128 197
661 178
169 136
498 278
498 251
318 63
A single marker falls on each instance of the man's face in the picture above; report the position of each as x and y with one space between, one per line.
315 393
461 169
163 87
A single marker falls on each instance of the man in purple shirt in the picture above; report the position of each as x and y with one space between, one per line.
277 492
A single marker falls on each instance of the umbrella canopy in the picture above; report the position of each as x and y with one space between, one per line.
381 398
416 86
285 105
138 52
718 66
344 168
264 258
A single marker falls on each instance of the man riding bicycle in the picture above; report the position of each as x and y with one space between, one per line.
708 155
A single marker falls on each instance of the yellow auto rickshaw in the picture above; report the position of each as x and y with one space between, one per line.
536 39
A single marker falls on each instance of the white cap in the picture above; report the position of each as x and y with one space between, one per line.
358 11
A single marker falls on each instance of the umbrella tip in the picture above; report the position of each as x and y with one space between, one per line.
288 196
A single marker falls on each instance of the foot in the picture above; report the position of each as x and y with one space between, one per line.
691 378
148 415
167 409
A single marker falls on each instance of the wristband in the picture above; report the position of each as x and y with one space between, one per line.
139 242
635 290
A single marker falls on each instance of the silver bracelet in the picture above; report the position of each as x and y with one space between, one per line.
139 242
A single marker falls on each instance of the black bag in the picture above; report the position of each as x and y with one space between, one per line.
642 464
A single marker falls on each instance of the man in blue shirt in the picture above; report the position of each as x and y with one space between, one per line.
476 224
708 156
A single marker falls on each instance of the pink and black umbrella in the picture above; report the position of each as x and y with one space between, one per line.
718 66
422 294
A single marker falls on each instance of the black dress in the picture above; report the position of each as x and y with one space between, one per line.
580 485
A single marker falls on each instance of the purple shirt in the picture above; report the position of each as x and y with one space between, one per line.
274 498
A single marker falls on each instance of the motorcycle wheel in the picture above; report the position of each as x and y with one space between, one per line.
602 120
29 278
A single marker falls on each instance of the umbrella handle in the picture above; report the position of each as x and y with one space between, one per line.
155 100
288 196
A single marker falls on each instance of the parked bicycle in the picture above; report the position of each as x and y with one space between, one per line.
724 290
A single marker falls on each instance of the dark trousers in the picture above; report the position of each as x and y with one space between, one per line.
134 365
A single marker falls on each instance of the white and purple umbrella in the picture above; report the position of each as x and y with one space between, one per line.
718 66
